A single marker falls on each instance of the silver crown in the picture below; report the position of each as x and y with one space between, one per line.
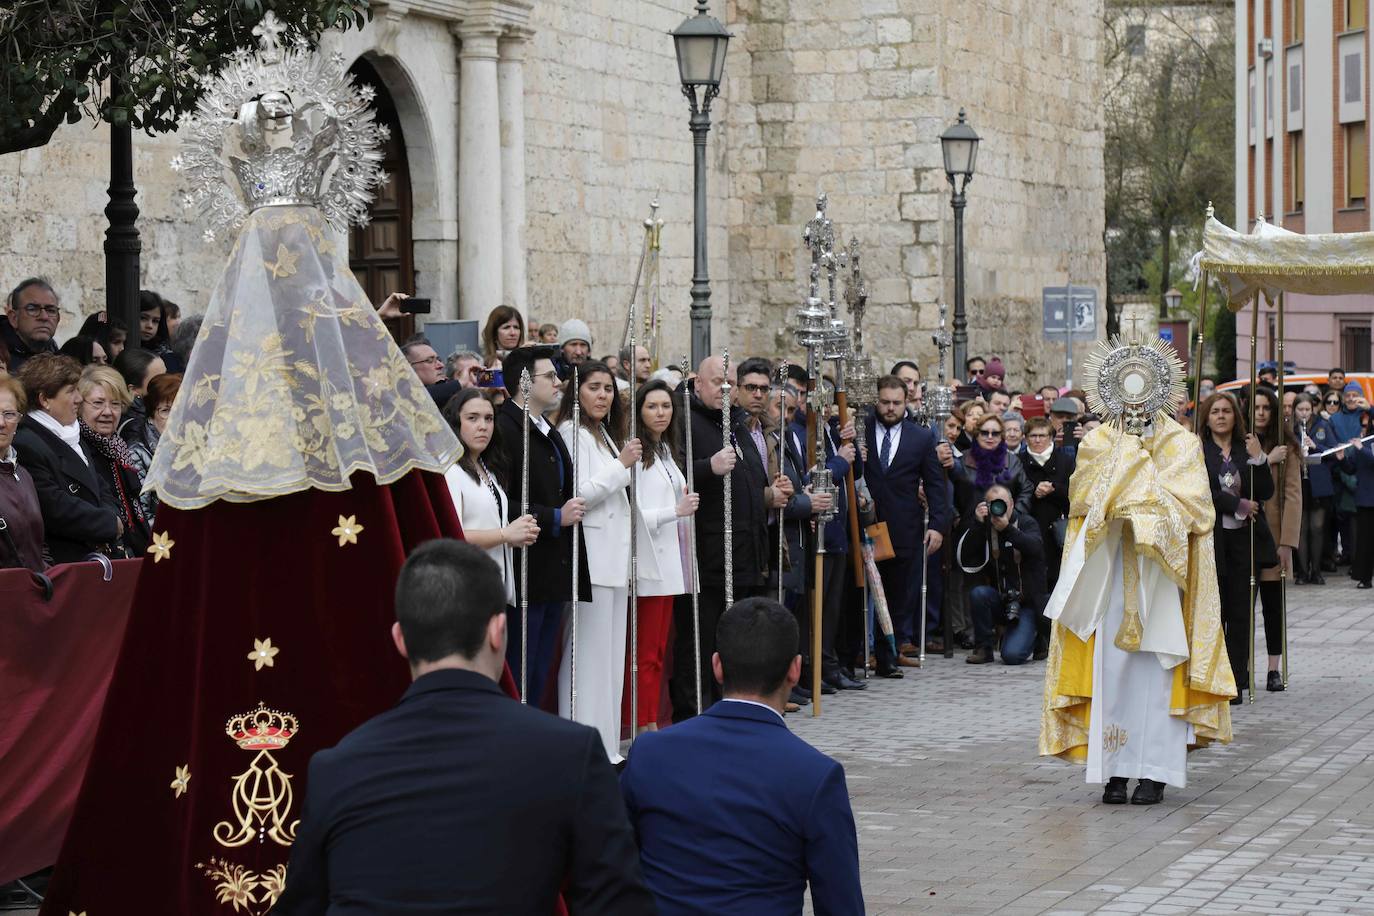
282 126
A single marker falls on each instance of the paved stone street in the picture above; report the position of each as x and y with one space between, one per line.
957 814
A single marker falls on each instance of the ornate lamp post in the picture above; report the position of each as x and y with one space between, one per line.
700 42
960 147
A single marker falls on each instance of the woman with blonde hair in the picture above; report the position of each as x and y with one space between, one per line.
104 398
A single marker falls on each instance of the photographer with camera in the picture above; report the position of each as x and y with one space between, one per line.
1003 557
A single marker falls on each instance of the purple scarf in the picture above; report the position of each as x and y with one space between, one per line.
991 465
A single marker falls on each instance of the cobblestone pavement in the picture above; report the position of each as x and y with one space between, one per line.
957 814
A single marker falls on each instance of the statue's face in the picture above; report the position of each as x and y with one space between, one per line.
275 105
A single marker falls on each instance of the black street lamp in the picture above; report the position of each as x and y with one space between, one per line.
122 243
700 42
960 147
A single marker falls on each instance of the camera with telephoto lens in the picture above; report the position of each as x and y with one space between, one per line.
1011 598
997 508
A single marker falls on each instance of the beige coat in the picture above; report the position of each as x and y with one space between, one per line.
1286 525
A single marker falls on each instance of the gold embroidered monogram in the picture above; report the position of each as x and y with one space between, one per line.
262 794
1113 738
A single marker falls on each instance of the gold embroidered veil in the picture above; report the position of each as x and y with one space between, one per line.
294 382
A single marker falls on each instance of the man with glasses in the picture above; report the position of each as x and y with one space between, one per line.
974 367
552 504
30 322
430 368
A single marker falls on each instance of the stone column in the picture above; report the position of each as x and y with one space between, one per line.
511 79
479 174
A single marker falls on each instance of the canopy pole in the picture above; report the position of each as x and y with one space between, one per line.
1254 386
1283 569
1199 423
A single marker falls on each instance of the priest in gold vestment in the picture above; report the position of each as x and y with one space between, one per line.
1137 673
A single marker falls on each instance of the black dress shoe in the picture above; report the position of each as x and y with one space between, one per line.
1115 791
1237 700
1274 683
964 640
841 681
1363 583
796 697
1148 792
1317 579
894 673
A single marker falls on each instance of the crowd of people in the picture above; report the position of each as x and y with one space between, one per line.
970 517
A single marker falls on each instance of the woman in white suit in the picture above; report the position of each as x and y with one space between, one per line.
604 460
665 505
481 502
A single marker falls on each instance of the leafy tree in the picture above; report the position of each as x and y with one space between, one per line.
1168 151
58 57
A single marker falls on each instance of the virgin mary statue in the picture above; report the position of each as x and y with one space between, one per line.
301 463
1137 673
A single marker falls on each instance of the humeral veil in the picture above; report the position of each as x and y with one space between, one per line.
1138 568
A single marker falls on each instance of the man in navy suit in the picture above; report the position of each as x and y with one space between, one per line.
734 814
460 799
901 458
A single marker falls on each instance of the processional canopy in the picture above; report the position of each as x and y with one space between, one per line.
1272 260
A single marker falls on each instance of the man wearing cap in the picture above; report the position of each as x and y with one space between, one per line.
1064 412
576 340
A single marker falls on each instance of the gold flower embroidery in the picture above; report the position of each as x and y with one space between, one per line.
161 548
263 654
182 781
348 530
285 265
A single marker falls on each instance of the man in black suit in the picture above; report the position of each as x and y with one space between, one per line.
459 799
901 458
553 506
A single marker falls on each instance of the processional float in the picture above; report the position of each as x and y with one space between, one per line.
1271 262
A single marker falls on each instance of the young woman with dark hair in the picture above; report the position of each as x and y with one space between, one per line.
603 465
503 332
481 501
665 505
1282 512
1237 469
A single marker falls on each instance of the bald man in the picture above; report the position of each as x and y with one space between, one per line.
712 459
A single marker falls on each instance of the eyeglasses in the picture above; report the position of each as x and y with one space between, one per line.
552 373
10 416
1332 402
989 433
163 412
756 389
32 308
431 361
977 371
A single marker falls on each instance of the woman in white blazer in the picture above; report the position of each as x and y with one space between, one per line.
481 502
604 460
664 505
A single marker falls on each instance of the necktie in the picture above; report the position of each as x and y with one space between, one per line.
885 453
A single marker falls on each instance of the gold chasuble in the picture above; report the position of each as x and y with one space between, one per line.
1150 494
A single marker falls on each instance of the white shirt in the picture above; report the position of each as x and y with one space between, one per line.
68 434
483 508
754 703
895 432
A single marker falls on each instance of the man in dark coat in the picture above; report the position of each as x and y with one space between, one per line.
553 506
459 799
30 322
712 458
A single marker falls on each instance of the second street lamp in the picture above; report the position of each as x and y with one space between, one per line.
700 43
959 145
